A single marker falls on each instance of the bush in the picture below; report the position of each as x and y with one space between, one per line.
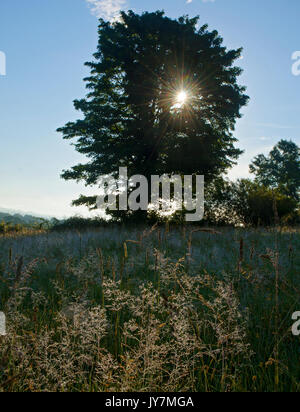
77 223
10 227
256 204
248 203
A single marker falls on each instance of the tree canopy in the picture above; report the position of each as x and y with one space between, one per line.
280 169
163 98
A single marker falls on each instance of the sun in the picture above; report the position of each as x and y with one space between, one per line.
181 98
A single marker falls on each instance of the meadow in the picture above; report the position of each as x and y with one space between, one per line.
150 309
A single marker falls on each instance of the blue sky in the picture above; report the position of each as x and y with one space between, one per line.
46 43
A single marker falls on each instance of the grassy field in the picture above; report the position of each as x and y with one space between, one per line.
159 309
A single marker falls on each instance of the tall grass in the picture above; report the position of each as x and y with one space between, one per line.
116 309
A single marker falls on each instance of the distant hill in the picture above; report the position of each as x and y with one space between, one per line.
22 213
18 218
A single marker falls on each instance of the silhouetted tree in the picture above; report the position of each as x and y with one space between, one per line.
280 169
132 116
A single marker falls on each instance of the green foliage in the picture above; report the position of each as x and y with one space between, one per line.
15 220
16 223
10 227
262 203
218 203
130 117
256 204
248 203
77 223
280 169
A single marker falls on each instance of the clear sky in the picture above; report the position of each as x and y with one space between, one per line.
46 43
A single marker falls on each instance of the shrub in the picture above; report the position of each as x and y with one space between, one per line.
77 223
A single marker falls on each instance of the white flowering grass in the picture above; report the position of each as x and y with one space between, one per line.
118 309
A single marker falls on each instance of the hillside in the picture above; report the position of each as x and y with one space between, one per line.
17 218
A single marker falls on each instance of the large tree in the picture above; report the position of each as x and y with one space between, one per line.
280 169
163 98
